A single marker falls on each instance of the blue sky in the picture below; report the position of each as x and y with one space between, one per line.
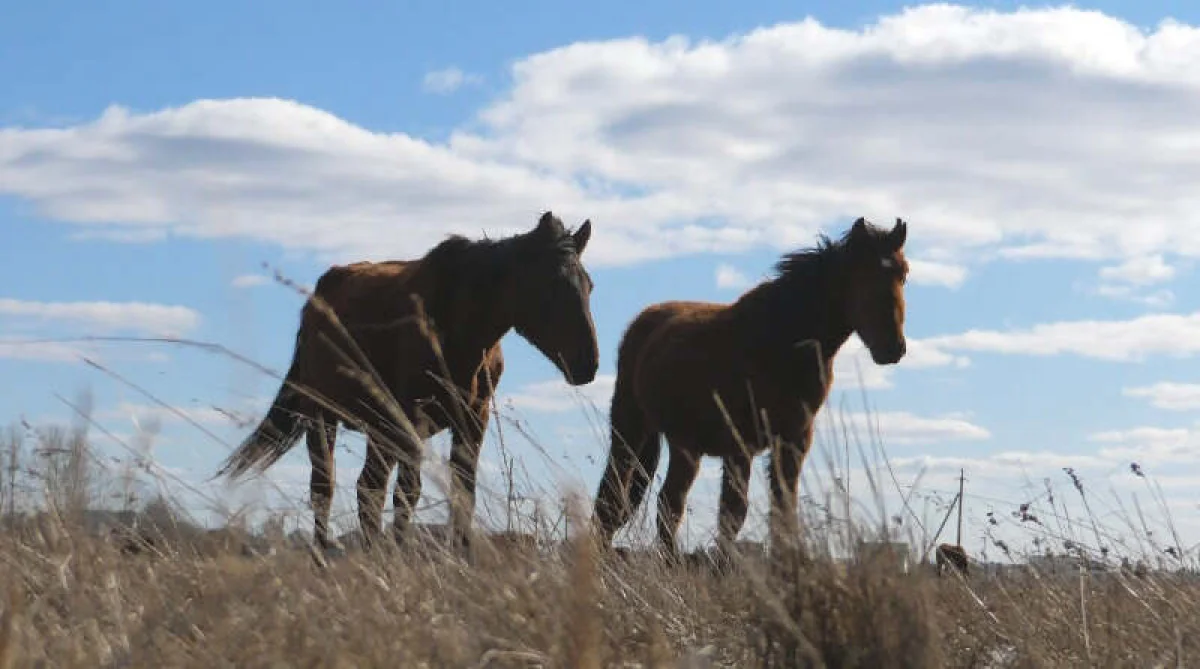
153 156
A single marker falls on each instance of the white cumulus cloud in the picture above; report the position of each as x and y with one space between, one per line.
932 273
1154 299
138 317
1140 271
675 147
1151 445
448 80
249 280
731 278
902 427
1130 340
854 369
1007 462
555 396
1169 395
42 351
1133 278
913 116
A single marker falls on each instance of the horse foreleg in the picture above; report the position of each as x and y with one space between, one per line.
786 459
464 463
407 492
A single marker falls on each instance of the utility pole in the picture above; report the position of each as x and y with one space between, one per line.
961 478
566 516
829 521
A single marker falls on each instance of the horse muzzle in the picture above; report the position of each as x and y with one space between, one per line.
889 355
582 371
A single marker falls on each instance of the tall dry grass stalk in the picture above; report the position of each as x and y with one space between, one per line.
170 593
233 596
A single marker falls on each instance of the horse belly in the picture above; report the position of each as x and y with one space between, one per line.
689 412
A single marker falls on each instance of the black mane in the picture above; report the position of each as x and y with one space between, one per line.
804 283
811 261
473 268
471 254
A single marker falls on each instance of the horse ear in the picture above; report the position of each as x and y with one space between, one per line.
582 235
549 224
899 234
859 228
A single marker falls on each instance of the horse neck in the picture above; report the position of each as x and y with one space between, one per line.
779 315
472 316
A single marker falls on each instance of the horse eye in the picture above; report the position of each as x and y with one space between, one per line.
888 263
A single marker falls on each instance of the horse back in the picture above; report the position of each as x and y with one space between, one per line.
371 292
373 304
670 362
652 321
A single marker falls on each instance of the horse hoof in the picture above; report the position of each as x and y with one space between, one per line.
318 558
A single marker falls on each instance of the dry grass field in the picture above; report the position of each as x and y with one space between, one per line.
77 595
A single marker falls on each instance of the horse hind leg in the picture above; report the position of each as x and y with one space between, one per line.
682 469
464 465
787 458
632 458
321 434
407 493
645 464
623 486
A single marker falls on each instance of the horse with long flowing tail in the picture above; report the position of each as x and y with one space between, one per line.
401 350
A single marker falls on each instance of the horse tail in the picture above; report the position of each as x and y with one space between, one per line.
292 409
630 424
630 429
276 433
634 442
274 436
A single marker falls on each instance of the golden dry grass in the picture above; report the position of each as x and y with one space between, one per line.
71 597
76 600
